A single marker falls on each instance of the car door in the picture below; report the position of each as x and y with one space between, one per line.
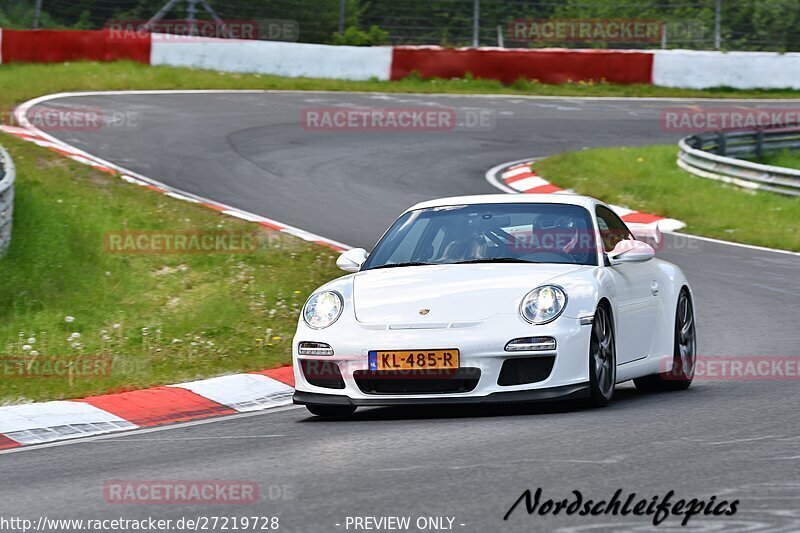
637 292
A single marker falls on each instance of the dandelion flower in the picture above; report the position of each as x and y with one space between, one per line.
116 326
26 347
34 353
69 319
32 340
276 338
75 336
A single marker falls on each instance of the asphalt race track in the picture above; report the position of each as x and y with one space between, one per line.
733 440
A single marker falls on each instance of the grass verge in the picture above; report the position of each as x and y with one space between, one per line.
78 320
647 179
16 81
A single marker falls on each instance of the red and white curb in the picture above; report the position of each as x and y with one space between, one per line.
39 423
519 177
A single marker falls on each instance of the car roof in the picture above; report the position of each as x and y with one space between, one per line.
570 199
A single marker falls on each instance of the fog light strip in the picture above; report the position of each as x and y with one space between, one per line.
314 348
531 344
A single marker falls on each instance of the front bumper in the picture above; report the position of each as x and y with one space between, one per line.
481 346
566 392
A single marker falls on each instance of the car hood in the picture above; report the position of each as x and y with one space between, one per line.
451 293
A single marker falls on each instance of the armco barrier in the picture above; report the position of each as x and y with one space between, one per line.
272 57
56 46
693 69
697 155
544 65
7 176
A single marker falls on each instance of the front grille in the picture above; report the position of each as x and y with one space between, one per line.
322 373
417 382
518 371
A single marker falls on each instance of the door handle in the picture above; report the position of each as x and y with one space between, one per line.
654 288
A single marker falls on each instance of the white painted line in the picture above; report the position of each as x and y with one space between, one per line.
121 436
493 175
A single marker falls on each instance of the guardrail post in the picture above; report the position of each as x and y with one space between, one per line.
721 147
759 143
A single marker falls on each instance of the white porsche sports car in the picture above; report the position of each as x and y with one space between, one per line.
496 298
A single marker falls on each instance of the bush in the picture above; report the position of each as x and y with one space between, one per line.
353 36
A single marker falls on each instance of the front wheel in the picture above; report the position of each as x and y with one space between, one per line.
684 354
331 411
602 358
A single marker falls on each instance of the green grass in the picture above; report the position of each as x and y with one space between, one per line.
786 158
17 83
204 314
648 179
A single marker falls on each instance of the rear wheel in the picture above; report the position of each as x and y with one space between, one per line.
684 353
602 358
331 411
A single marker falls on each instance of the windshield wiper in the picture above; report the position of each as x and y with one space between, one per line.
493 260
392 265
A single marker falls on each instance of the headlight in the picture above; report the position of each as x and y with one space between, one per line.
322 309
543 304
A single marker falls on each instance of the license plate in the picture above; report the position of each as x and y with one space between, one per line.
413 359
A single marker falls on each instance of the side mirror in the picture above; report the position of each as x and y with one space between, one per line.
351 260
628 251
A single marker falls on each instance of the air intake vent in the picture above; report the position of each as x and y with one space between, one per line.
420 382
322 373
525 370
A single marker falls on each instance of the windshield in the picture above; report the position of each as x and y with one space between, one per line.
488 233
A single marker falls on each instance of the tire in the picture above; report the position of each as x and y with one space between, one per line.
602 358
331 411
684 352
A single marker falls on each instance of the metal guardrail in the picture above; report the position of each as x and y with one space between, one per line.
7 176
715 155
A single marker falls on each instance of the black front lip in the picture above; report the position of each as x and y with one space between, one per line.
564 392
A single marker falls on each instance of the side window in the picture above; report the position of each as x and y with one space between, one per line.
612 228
